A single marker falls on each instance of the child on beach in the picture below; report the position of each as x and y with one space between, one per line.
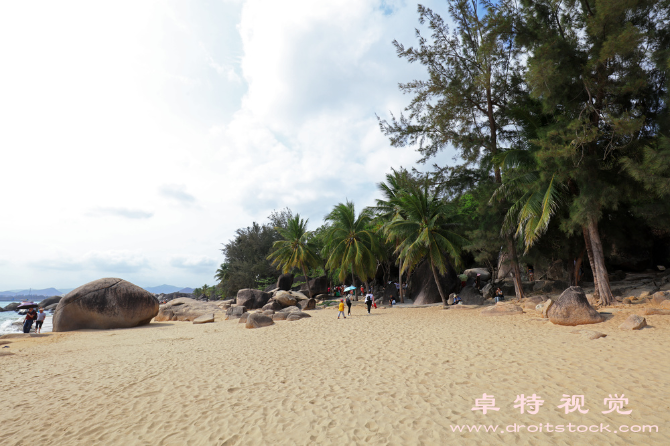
341 308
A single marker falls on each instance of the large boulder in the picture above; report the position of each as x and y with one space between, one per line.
272 305
471 296
104 304
186 309
258 320
280 316
285 282
285 298
296 315
235 312
50 301
484 273
572 308
308 304
487 291
422 287
317 286
12 306
252 299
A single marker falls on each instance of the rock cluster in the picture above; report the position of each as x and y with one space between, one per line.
187 309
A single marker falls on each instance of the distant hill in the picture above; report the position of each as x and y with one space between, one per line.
164 289
47 292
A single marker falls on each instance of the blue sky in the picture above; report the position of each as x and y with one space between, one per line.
137 136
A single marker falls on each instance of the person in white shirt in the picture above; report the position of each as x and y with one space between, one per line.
40 320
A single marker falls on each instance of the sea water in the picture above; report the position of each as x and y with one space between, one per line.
7 317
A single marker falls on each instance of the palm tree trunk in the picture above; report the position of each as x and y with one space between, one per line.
589 251
518 287
599 259
309 290
353 283
400 295
439 285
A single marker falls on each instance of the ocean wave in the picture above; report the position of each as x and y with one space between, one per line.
15 325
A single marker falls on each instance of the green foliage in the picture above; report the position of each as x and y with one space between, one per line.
351 241
246 254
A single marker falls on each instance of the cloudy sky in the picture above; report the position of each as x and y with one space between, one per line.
137 136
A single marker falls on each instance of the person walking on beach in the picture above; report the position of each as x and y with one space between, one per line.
348 305
368 301
31 315
341 308
40 320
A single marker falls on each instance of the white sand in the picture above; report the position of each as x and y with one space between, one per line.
399 376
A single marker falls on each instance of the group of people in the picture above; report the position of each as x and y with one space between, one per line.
339 290
34 316
369 302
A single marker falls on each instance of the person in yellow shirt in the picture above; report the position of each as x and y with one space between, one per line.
341 308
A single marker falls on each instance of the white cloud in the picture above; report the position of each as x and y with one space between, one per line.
186 121
121 212
194 262
177 193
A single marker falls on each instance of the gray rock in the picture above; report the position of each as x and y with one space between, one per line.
235 312
572 308
317 286
272 305
484 273
50 301
252 299
422 287
634 322
186 309
280 316
104 304
308 304
12 306
471 296
243 318
258 320
204 319
285 282
296 315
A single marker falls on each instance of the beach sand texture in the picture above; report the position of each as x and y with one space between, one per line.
400 376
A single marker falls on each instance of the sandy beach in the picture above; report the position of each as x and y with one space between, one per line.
400 376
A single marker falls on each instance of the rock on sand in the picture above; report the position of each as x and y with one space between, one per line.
104 304
572 308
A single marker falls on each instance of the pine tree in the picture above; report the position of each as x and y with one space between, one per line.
465 103
589 66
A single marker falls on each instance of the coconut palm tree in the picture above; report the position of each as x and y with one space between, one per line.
351 242
387 207
422 230
222 273
295 250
